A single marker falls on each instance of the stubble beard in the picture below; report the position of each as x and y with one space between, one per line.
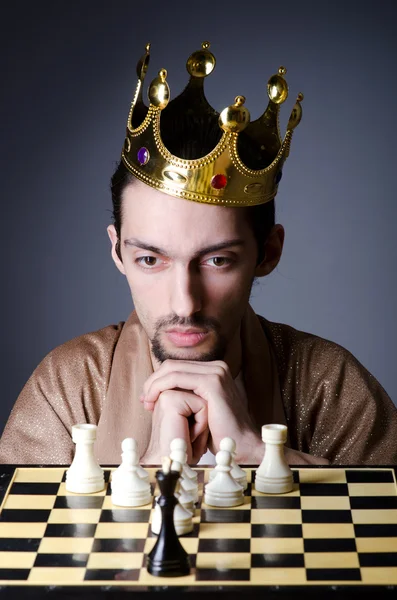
218 352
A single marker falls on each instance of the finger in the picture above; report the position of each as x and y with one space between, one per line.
183 403
173 404
200 421
200 384
149 406
197 429
185 366
173 425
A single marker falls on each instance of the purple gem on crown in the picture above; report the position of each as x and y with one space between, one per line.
143 155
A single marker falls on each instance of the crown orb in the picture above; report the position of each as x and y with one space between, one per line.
235 118
159 91
218 182
201 63
143 155
277 89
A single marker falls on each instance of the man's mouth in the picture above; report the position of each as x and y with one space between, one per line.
186 339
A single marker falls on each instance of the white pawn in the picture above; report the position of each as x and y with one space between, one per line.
128 488
223 490
140 470
273 476
185 499
189 486
84 476
237 472
183 520
187 471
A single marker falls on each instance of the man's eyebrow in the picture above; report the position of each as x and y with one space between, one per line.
201 252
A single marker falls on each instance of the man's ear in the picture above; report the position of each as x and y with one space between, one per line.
273 250
114 239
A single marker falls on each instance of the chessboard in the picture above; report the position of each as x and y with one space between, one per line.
337 526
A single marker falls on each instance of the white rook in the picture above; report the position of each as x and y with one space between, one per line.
84 476
273 476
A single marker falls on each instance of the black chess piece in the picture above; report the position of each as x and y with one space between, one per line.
168 557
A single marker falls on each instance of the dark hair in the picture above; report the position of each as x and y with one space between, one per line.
189 138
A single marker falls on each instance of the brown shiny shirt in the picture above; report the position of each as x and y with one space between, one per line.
333 406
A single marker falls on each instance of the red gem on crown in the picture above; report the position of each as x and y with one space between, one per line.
219 181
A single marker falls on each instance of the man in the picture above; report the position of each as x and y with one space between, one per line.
193 228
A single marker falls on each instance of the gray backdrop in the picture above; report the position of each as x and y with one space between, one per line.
67 75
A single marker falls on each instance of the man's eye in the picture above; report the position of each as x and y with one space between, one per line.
221 258
145 257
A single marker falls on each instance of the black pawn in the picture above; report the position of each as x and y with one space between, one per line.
168 557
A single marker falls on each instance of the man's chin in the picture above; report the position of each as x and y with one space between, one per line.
189 354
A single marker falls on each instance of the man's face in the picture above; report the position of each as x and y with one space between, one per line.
175 288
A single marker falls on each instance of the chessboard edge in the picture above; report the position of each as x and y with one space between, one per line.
282 592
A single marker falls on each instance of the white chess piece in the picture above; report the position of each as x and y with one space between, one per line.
84 476
237 472
273 476
189 486
128 488
223 490
183 520
185 499
187 471
140 470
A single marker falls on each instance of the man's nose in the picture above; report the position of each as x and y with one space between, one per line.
186 292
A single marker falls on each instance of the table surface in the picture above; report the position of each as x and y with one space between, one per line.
334 534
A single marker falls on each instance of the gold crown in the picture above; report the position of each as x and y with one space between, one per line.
220 177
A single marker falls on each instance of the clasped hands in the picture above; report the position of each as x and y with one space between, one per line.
200 402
